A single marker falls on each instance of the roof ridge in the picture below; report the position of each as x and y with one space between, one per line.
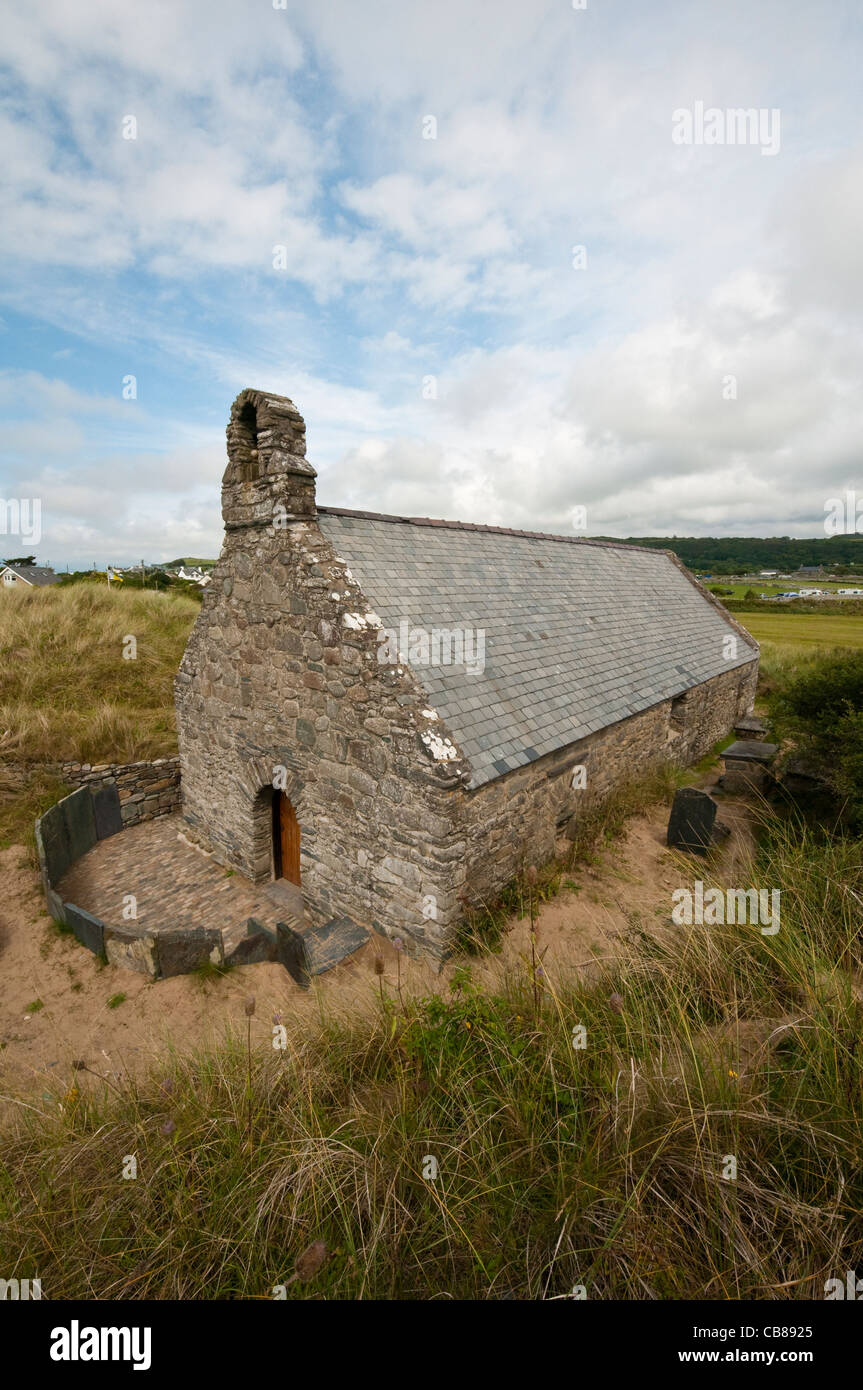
494 530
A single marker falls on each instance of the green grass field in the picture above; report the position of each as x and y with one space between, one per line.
790 642
772 588
804 629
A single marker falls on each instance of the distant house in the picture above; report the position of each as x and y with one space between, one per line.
194 574
34 576
767 574
811 569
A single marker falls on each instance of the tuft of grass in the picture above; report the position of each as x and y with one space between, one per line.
53 928
116 1000
602 823
208 972
34 1007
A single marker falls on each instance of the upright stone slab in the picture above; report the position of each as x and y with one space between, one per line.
255 948
55 843
52 898
80 822
106 811
318 949
55 905
291 953
692 820
89 930
41 853
187 948
133 949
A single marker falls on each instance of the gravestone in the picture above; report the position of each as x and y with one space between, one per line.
692 823
751 727
747 765
807 782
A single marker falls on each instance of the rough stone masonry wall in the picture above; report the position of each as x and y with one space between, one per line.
517 819
281 670
145 789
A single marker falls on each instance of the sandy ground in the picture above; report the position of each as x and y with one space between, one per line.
627 887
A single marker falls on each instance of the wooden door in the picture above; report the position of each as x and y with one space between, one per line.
288 841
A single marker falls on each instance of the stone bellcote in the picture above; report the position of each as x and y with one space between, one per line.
268 477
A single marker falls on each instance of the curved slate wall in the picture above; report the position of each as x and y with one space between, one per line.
112 798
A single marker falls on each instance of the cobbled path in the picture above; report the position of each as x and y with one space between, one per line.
175 885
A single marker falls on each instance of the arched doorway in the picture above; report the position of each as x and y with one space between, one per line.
286 839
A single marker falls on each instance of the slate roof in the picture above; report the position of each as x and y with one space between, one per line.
37 575
578 633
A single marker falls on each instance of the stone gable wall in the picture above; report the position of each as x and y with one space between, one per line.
274 678
281 671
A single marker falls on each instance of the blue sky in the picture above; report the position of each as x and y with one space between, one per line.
411 258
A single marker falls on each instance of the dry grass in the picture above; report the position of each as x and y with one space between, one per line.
66 691
558 1166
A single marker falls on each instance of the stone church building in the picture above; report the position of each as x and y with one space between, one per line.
396 714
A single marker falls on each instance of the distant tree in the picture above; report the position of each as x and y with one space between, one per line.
22 560
720 555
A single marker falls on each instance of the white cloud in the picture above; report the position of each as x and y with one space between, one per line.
450 257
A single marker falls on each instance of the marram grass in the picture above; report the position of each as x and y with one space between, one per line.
462 1147
67 691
